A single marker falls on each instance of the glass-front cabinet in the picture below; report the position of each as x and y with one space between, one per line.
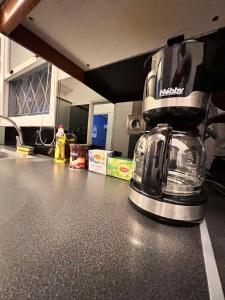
18 55
28 86
29 94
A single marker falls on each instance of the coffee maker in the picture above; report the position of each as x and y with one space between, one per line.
169 159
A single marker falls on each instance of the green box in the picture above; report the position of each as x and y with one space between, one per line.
120 167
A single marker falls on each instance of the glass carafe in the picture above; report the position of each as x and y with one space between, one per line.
186 169
139 153
169 162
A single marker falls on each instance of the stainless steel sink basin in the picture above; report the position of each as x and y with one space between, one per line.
12 154
4 155
8 153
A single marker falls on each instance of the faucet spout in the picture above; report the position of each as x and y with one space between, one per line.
19 138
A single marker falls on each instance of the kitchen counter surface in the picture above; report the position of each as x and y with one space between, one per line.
74 235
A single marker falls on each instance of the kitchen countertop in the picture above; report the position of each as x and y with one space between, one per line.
74 235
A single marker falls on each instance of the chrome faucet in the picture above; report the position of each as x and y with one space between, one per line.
19 138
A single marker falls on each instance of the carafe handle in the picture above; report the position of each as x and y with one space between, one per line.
150 84
156 160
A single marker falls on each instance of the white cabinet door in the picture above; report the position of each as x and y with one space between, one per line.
18 55
17 59
21 94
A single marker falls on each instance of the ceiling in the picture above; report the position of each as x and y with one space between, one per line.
99 32
77 93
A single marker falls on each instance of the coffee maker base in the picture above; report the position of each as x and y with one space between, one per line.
168 212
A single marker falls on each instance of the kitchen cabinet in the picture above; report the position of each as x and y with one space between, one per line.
27 94
18 55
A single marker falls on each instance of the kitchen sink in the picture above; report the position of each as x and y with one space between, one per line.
6 153
9 153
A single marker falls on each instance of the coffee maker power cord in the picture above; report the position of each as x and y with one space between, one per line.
217 184
43 112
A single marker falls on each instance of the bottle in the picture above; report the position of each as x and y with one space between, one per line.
60 145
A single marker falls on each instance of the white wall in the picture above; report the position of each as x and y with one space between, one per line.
117 138
2 135
120 136
77 93
103 108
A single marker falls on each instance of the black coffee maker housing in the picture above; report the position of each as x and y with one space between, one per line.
178 86
169 159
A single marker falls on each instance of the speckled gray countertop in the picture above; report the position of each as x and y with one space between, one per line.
74 235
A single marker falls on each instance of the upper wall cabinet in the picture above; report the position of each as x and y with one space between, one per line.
29 94
17 59
28 86
18 55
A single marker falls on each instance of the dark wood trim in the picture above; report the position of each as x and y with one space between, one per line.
32 42
13 12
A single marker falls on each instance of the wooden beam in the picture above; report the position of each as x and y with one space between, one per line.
13 12
32 42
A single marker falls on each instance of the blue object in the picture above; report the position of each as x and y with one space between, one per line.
99 130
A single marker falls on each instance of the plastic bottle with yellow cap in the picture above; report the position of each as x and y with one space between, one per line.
60 145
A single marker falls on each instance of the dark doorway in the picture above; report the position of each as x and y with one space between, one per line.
79 122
